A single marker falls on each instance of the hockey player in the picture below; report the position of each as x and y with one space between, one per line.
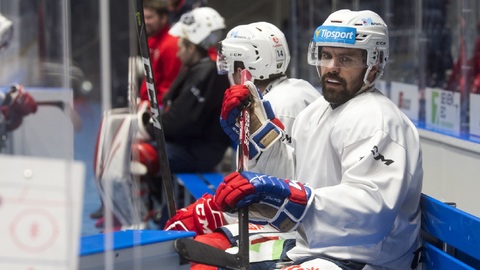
261 48
357 153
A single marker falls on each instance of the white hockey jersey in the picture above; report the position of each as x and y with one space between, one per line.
288 98
363 161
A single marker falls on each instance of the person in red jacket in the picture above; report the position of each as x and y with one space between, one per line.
163 48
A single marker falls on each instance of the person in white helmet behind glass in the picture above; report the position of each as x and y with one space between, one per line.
354 164
262 49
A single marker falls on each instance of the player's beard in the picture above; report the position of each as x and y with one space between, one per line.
338 96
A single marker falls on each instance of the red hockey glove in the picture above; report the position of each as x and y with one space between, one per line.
234 99
202 217
281 203
18 104
264 130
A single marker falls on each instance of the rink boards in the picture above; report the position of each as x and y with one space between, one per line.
133 249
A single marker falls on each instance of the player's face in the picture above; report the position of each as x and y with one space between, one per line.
185 51
153 22
342 71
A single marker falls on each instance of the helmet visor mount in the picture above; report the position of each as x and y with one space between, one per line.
223 66
226 57
337 56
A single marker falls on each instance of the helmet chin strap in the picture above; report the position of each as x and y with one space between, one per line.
366 84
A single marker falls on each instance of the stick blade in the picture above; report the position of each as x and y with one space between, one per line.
198 252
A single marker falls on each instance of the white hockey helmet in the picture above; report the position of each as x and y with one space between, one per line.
261 46
202 26
6 32
353 29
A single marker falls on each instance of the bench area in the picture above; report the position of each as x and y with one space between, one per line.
197 184
132 249
451 236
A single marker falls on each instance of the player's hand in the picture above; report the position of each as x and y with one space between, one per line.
264 129
18 104
281 203
203 216
235 99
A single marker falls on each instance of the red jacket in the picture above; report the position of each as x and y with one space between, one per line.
165 64
457 77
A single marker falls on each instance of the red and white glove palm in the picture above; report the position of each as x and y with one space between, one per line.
202 217
18 104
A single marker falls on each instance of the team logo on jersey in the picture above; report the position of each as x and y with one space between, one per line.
378 156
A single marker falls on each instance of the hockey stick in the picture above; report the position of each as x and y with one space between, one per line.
194 251
154 109
67 109
242 157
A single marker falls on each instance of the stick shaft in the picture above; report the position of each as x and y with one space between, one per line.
242 163
154 108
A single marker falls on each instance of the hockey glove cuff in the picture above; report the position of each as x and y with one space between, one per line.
203 216
265 129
